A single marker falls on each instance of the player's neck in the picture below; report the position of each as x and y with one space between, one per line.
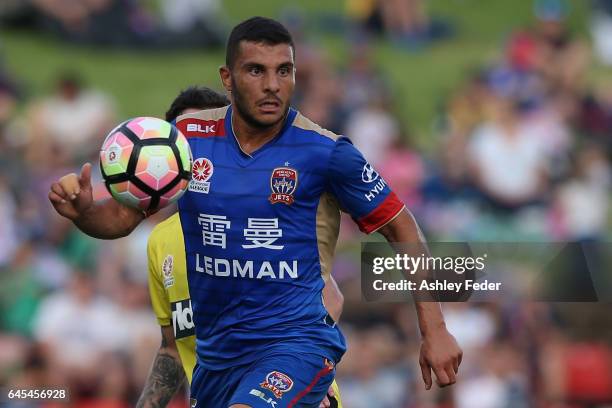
249 137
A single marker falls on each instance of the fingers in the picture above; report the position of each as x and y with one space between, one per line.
426 373
325 403
450 373
61 205
441 376
57 193
70 186
456 362
331 391
56 198
85 178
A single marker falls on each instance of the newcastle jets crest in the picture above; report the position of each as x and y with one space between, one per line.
283 183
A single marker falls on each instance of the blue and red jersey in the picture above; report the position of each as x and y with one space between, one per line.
260 233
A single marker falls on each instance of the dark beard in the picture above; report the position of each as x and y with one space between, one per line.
241 106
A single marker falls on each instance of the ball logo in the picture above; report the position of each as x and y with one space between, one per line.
201 171
278 383
368 174
112 154
283 183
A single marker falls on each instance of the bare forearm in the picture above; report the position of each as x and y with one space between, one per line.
109 220
439 349
164 380
406 234
333 299
430 317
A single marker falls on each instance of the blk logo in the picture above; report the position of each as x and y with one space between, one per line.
197 127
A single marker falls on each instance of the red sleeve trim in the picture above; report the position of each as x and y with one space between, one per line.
381 215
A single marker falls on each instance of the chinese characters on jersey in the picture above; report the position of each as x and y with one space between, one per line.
260 232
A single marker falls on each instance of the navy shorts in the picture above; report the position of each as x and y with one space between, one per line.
274 381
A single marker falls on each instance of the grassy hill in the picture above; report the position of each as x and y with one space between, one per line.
143 82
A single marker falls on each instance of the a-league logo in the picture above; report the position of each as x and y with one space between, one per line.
283 183
167 267
278 383
201 172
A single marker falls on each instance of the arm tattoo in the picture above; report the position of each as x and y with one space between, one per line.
165 378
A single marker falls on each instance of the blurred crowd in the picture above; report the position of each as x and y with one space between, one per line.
522 153
137 24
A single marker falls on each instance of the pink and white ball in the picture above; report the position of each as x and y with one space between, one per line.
146 163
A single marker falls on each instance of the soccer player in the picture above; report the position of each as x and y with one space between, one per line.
260 222
170 292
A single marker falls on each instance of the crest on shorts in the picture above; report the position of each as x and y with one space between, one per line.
167 268
283 183
278 383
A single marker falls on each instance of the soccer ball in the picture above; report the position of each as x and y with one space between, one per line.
146 163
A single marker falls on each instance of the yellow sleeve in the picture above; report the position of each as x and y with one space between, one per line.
337 393
159 298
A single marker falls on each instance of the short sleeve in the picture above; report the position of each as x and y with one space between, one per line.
360 190
159 298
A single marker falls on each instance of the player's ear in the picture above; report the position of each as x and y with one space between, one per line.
226 77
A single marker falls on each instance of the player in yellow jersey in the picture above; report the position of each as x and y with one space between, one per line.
169 290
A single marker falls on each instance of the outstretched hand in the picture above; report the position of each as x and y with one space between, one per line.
72 195
440 353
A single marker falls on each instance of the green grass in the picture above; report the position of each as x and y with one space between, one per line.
144 83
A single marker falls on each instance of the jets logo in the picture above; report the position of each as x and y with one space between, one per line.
283 183
277 382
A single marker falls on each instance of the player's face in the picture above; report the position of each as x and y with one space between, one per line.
262 82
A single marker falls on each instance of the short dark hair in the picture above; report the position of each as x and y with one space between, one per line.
195 97
258 30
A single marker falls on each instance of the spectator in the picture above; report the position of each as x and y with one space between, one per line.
404 170
509 166
374 130
73 325
371 373
191 23
406 22
601 30
70 123
549 48
594 116
582 201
